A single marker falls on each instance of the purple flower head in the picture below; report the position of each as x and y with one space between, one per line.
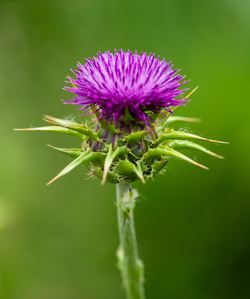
110 83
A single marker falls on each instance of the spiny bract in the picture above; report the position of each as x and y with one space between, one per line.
129 98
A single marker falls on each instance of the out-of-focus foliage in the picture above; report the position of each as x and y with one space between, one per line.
193 226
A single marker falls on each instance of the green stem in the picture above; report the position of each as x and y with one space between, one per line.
128 259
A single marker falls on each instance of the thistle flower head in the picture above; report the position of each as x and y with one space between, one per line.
111 83
126 92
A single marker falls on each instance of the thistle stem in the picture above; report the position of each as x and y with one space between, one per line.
130 265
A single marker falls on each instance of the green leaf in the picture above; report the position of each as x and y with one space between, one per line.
95 158
169 152
107 126
72 152
56 129
110 158
139 172
81 128
133 138
183 144
158 166
107 163
61 122
69 167
128 170
171 134
174 119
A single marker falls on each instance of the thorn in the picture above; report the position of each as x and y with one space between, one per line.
143 181
194 120
191 93
55 178
72 82
217 156
48 117
216 141
104 178
50 121
29 129
200 165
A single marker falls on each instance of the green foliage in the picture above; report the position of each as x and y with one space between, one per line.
81 128
135 137
126 157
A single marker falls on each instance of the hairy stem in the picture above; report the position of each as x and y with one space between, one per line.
130 265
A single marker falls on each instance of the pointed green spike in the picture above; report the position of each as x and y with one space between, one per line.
110 158
81 128
183 144
69 167
60 122
56 129
174 119
171 134
72 152
133 138
161 118
107 163
156 152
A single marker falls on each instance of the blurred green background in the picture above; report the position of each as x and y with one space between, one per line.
193 226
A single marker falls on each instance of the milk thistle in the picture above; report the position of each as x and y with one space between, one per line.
131 99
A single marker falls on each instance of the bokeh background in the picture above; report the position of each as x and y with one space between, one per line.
193 226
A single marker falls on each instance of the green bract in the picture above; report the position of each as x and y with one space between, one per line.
127 151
